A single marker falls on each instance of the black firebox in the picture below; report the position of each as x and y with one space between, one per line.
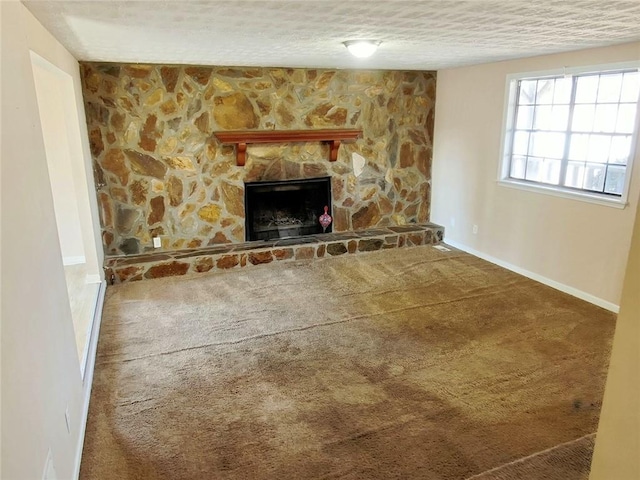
288 208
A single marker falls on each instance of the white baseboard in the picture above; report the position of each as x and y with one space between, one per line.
97 307
612 307
73 260
90 363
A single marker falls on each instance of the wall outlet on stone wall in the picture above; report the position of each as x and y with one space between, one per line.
157 243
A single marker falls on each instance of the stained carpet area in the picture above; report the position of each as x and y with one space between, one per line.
408 363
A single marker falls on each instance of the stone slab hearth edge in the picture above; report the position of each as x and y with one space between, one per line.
129 268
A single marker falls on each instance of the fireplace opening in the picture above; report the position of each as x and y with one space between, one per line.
284 209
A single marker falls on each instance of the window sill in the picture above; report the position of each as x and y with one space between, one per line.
559 192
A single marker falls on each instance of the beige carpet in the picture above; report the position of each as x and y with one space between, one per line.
569 460
408 363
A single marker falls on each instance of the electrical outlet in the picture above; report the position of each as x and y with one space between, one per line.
453 221
475 229
157 243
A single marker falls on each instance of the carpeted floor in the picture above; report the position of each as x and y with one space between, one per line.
407 363
569 460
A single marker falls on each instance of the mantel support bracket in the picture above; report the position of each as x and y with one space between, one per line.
334 145
241 154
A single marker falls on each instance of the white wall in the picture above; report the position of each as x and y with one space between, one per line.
618 440
580 245
40 367
41 42
50 90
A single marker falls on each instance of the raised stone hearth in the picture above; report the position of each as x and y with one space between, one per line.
224 257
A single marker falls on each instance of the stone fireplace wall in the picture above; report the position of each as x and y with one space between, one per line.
160 171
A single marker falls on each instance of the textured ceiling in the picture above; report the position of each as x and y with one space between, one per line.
416 35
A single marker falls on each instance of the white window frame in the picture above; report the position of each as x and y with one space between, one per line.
510 102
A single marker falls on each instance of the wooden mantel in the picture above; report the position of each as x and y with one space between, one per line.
241 138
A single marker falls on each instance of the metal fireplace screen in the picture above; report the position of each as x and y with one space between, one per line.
284 209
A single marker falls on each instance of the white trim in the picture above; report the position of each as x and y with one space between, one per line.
615 202
582 69
508 122
612 307
89 331
77 260
88 377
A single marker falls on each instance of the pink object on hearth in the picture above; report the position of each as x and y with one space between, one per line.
325 219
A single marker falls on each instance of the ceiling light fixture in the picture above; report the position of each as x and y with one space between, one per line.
362 48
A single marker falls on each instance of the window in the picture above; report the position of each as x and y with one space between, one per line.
572 134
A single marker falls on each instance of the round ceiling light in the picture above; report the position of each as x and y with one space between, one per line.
362 48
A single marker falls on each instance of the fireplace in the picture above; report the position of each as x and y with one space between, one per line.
284 209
